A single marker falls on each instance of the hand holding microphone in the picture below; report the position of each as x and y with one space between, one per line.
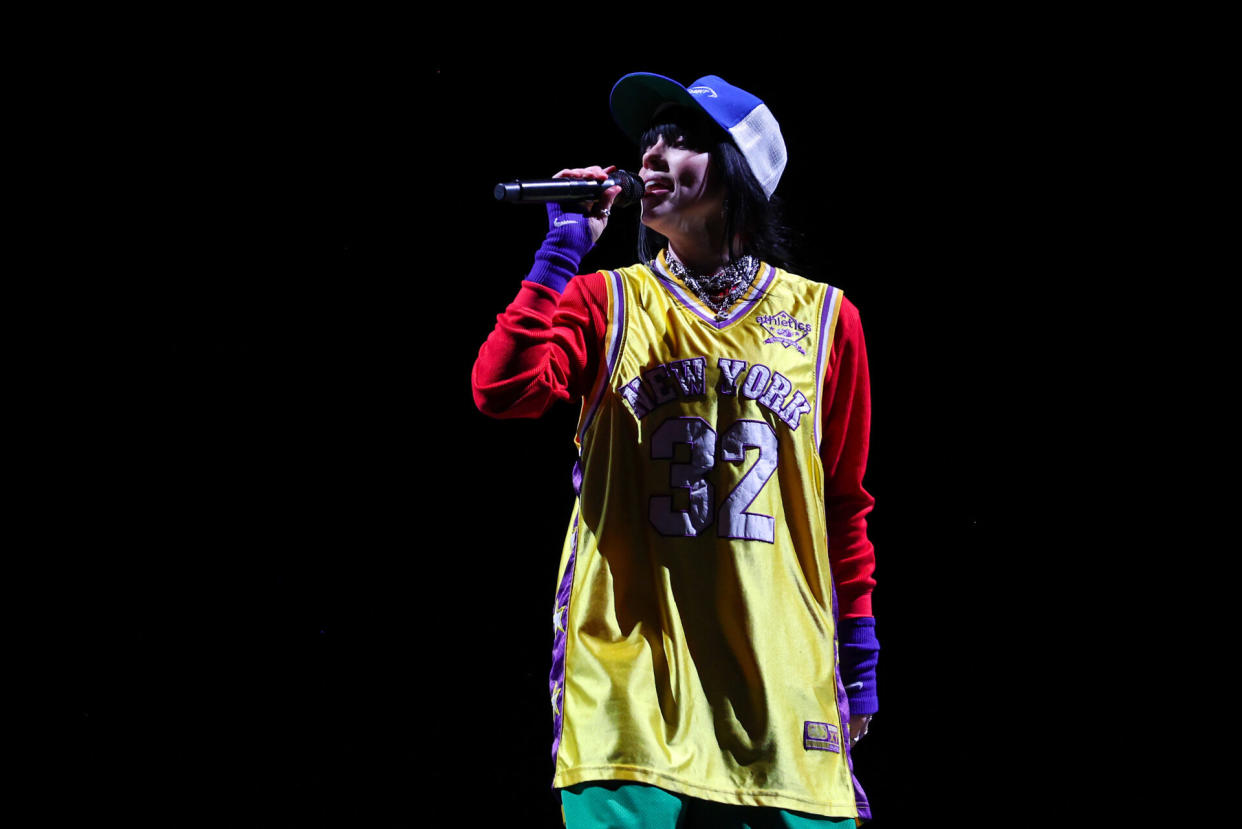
588 192
579 184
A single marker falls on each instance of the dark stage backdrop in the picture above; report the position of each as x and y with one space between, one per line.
324 587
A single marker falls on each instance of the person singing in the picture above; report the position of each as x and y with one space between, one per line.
714 644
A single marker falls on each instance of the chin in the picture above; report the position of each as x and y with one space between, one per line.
652 219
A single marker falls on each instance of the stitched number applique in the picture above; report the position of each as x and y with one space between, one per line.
735 521
689 476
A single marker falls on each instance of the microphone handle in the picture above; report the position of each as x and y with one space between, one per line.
571 189
546 190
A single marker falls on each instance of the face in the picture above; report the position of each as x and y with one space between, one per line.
682 186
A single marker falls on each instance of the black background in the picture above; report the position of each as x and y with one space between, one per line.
317 583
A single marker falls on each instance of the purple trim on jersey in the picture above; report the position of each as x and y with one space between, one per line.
616 326
684 297
843 706
560 638
825 318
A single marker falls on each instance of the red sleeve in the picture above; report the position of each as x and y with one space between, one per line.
846 430
545 347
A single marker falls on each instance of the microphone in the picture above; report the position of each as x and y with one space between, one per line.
538 191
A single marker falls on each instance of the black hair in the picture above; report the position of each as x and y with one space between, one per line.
749 215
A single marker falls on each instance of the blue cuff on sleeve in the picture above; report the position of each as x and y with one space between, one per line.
568 240
860 651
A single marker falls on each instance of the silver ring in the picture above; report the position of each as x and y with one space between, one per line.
607 211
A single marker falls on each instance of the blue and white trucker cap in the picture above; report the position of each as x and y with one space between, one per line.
638 96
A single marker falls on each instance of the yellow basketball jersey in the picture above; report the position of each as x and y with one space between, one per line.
695 628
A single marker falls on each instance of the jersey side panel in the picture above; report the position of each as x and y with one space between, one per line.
614 340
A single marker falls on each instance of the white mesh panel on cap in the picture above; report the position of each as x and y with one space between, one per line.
759 138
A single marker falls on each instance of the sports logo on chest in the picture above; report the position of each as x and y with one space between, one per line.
784 329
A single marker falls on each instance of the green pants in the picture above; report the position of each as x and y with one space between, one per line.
623 805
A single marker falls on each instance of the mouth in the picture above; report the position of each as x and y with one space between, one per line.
657 187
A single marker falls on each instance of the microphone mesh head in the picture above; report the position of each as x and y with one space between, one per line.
631 187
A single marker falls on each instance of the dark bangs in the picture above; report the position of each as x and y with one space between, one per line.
671 123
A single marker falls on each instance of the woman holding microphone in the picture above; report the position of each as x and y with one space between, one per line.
714 647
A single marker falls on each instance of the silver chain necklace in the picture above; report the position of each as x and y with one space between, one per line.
721 289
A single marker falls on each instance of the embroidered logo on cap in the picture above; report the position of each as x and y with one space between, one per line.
820 736
785 330
703 90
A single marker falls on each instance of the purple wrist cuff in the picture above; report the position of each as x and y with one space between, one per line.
568 240
860 651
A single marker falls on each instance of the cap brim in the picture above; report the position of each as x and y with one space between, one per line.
637 96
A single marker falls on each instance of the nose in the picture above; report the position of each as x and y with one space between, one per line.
653 159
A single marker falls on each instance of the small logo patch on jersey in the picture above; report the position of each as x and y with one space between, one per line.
820 736
785 330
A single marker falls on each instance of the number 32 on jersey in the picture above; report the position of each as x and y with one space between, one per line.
706 448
